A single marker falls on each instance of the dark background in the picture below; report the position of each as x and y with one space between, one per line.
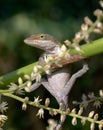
60 18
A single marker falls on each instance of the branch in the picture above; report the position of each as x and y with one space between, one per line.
72 114
94 48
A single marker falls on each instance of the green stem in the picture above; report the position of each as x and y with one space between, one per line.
52 109
94 48
13 76
90 49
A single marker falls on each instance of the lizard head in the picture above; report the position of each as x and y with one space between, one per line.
42 41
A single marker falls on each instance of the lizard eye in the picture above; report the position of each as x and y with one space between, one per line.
42 37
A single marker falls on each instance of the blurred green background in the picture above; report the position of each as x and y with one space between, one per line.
60 18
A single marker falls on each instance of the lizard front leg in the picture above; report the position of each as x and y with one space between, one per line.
33 87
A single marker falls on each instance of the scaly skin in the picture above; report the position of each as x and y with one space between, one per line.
43 41
59 83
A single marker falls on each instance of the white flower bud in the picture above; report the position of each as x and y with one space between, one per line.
50 58
26 76
3 118
47 102
73 111
101 3
39 67
29 83
92 126
91 114
61 54
101 93
98 12
20 81
74 121
26 99
33 75
77 48
38 77
63 48
35 69
24 106
80 111
100 126
78 35
62 118
27 89
52 124
67 42
68 110
96 116
84 27
99 25
83 121
98 31
88 21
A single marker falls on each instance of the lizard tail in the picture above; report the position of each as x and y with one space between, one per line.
62 117
60 123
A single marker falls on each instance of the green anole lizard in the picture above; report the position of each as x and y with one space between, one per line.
59 83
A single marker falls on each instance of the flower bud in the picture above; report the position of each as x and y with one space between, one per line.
91 114
62 118
74 121
101 3
29 83
96 116
47 102
20 81
35 69
101 93
68 110
24 106
26 76
83 121
98 12
84 27
92 126
100 126
73 111
80 111
88 21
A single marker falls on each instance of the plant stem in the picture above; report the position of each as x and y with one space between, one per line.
52 109
94 48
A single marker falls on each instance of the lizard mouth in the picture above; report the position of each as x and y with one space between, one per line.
28 41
